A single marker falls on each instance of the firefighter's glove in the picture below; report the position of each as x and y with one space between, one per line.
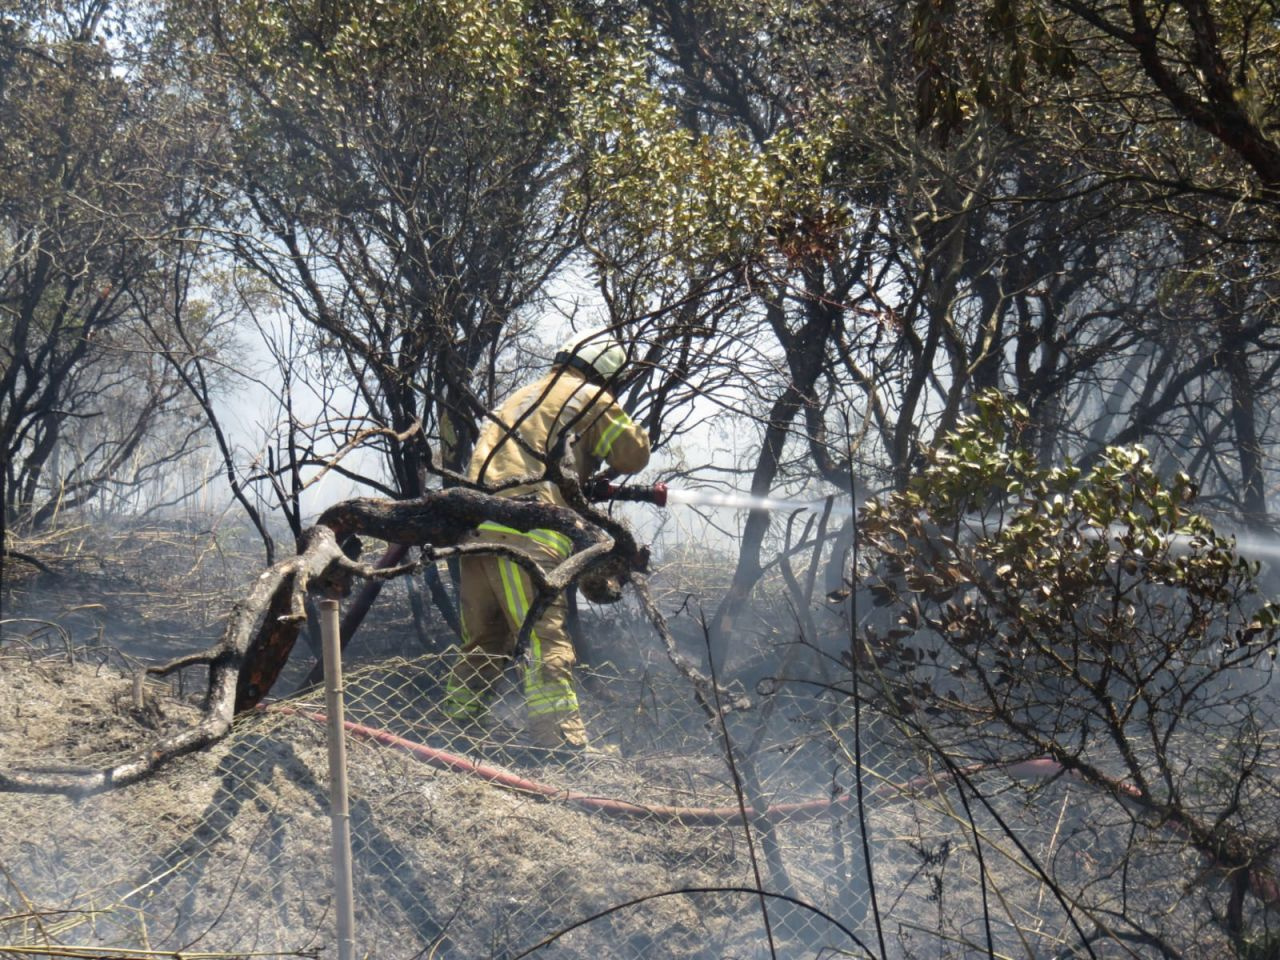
600 588
640 559
596 489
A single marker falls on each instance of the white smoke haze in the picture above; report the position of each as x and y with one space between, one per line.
821 230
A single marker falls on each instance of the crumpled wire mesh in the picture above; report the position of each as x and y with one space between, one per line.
471 843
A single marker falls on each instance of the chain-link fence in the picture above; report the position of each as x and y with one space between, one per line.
474 844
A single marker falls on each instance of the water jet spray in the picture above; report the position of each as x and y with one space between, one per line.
1253 545
662 495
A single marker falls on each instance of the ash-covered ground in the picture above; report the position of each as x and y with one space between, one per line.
228 851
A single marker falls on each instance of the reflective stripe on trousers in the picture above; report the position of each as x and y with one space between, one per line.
497 593
544 695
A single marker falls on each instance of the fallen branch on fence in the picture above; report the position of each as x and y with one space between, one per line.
263 627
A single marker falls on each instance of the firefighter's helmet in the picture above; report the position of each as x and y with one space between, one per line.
595 353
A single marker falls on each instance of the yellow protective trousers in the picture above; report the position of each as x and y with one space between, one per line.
495 596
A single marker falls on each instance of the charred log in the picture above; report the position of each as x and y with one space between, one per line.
260 633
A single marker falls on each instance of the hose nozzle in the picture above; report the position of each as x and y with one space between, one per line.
653 493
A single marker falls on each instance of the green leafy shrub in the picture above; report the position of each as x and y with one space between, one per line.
1093 618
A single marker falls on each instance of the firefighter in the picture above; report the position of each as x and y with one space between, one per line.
495 592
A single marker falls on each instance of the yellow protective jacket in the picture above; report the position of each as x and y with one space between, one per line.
539 413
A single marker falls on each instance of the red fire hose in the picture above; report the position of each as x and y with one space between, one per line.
693 816
1264 886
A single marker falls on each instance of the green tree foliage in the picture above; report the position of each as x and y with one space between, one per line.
91 138
697 192
874 211
1168 110
399 168
1130 84
1089 617
879 275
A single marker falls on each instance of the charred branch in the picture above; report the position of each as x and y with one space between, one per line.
263 627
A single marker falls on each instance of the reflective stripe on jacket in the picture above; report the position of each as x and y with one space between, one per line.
539 413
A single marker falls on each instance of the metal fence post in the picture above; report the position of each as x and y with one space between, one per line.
339 813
